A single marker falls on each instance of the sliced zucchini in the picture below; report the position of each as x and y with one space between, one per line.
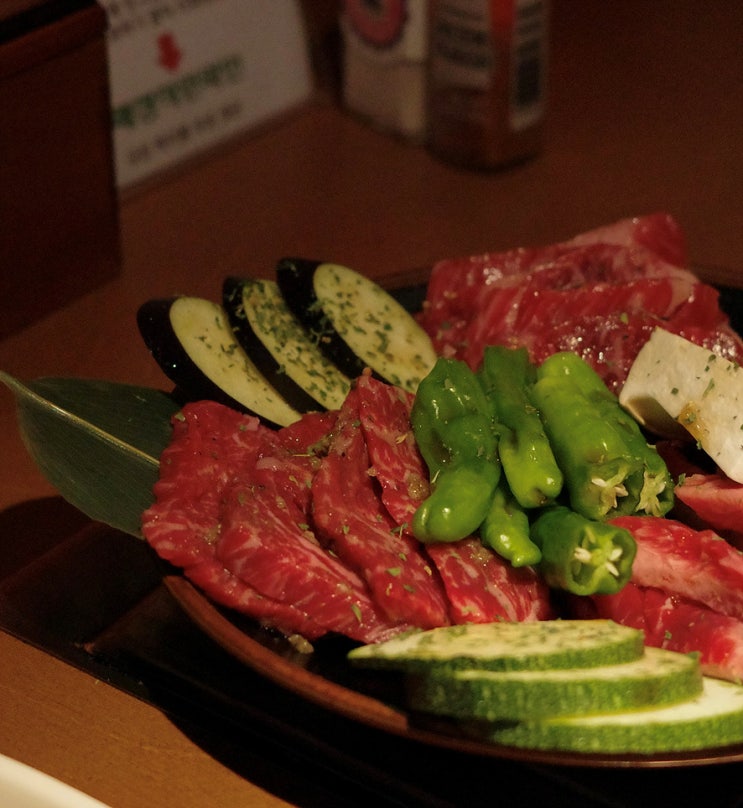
502 646
657 678
281 347
710 720
356 322
192 341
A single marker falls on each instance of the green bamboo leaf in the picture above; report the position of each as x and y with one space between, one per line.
97 442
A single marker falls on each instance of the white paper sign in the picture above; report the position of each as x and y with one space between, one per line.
186 74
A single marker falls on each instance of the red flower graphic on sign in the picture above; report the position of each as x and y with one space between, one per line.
169 54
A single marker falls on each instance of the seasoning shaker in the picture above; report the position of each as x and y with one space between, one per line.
486 80
384 64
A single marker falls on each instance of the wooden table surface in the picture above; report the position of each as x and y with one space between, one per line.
646 113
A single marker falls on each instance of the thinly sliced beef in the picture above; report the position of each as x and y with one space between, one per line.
266 542
674 623
483 587
658 232
599 295
459 287
351 519
545 318
659 297
223 467
608 342
265 539
384 412
210 444
715 499
228 590
531 314
309 435
701 320
694 564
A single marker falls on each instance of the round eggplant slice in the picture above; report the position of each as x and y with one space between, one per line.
294 277
356 322
280 346
191 340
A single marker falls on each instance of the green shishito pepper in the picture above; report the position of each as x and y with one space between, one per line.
650 490
454 431
506 530
582 556
592 454
528 461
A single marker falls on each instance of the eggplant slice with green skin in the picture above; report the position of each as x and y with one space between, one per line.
281 347
192 341
356 322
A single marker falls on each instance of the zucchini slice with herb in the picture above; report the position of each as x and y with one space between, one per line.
657 678
356 322
281 347
711 720
192 341
503 646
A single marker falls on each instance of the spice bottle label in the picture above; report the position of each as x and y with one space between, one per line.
486 79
